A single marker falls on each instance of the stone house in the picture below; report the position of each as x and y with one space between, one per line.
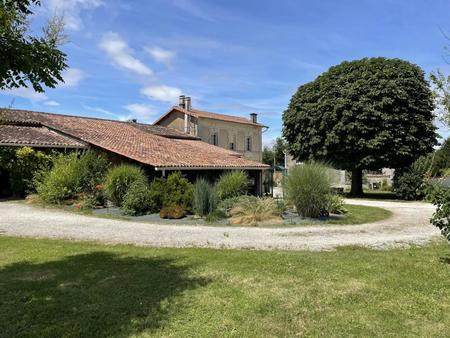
157 149
234 133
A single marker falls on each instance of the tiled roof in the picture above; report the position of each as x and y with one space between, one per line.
164 131
36 136
209 115
136 142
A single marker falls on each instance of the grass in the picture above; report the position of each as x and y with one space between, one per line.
360 214
71 289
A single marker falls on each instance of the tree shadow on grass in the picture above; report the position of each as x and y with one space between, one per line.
386 195
445 259
93 295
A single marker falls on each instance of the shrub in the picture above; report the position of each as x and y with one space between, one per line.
157 192
307 187
336 204
204 198
226 205
172 212
61 182
441 159
138 200
385 186
232 184
177 191
410 183
252 210
440 197
445 172
72 176
92 167
215 216
22 164
119 179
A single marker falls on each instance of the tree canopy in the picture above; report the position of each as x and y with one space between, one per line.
27 59
364 114
442 95
274 154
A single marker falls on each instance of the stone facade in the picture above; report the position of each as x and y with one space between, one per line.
232 133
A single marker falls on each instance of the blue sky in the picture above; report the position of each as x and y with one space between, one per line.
131 59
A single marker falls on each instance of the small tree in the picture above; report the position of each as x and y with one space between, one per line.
365 114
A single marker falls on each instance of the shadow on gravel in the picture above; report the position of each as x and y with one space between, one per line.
94 295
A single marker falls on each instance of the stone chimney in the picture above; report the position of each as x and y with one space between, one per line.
187 103
182 101
254 117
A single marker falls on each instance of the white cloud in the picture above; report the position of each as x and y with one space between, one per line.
140 110
190 7
71 10
51 103
161 55
162 93
122 55
112 115
72 78
100 110
26 93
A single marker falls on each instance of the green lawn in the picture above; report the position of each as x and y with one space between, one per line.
360 214
59 288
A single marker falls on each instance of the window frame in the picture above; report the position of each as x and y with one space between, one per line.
248 143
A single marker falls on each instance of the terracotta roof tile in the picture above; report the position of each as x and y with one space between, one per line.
164 131
36 136
136 143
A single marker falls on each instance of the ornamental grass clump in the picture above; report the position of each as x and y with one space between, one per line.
307 187
204 198
252 210
336 204
232 184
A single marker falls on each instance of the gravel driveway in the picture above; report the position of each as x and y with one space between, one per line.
408 225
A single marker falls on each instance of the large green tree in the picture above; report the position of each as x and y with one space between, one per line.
364 114
26 59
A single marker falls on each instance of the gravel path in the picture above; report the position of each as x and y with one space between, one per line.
409 225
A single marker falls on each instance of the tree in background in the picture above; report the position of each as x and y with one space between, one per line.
273 155
268 155
364 114
27 59
441 91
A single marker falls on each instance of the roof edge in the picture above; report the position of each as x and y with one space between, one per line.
182 110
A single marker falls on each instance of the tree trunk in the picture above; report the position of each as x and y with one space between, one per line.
357 189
